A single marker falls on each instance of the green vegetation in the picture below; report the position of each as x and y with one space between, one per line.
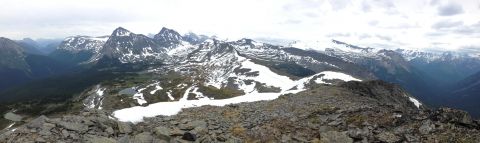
289 69
356 119
216 93
262 88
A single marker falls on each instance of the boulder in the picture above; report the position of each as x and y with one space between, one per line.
37 122
388 137
124 128
188 136
163 133
78 127
335 137
97 139
453 116
145 137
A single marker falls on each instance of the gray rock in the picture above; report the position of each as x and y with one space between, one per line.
37 122
48 126
163 133
145 137
411 138
78 127
65 133
324 128
358 133
188 136
40 140
335 137
454 116
109 130
45 132
176 132
124 128
388 137
97 139
426 127
124 139
13 117
192 125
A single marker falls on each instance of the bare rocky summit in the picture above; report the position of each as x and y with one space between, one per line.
371 111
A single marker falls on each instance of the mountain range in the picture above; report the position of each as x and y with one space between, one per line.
126 73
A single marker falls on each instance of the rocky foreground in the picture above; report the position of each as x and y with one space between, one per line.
350 112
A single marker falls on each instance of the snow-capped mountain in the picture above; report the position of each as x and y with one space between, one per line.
129 47
447 67
386 64
208 68
194 39
78 49
168 38
76 44
211 69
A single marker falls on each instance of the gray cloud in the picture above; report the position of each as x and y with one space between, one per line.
333 35
366 6
450 9
447 24
364 36
470 49
448 27
373 23
386 38
469 29
311 14
339 4
434 2
435 34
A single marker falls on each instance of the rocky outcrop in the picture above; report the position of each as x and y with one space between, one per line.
352 112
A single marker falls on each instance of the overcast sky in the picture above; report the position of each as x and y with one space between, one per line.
428 24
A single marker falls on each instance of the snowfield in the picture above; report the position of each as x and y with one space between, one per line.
265 75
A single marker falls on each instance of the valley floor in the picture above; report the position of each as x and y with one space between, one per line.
350 112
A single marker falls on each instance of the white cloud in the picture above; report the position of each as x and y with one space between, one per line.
391 24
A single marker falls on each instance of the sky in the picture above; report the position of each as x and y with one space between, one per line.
408 24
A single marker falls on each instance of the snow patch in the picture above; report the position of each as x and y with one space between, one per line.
9 126
415 101
139 97
262 75
96 99
169 94
136 114
157 87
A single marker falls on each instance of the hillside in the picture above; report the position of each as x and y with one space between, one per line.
354 111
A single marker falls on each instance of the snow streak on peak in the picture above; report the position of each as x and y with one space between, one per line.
83 43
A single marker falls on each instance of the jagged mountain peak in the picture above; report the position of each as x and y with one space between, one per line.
120 31
168 37
129 47
193 38
353 47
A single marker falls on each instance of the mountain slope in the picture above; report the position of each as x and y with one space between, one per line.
18 66
445 67
466 94
78 49
128 47
354 111
386 65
